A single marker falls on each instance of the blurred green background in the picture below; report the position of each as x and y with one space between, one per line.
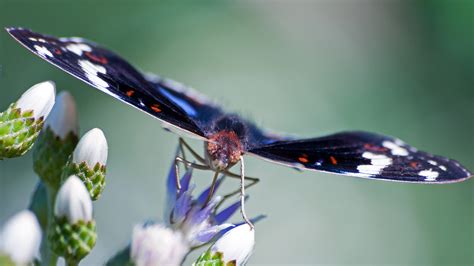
396 67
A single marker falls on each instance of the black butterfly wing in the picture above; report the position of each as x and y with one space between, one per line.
201 109
206 112
107 72
365 155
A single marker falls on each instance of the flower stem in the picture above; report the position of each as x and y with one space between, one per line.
48 258
71 262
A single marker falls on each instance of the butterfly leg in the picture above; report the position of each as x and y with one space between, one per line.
212 188
253 181
179 159
242 192
183 144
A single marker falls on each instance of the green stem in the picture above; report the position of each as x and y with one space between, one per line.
48 258
70 262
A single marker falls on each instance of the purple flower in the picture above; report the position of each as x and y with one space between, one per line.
196 219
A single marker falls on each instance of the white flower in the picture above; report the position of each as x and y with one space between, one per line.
73 201
21 237
92 148
237 244
63 117
157 245
39 98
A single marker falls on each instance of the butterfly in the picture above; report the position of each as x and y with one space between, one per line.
228 136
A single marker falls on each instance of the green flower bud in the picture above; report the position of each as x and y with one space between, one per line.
73 233
72 241
5 260
21 123
88 162
56 141
209 258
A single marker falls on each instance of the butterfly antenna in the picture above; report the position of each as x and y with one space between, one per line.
242 192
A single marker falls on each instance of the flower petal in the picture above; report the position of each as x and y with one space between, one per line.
63 117
92 148
157 245
21 237
185 180
203 196
73 201
40 98
227 212
236 245
207 234
182 206
199 215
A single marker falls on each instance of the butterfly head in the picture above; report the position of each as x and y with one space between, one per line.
224 149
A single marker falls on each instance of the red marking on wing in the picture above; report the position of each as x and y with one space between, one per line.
130 93
57 51
372 147
99 59
333 160
414 165
156 108
303 158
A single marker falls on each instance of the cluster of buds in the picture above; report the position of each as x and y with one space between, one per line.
21 123
63 162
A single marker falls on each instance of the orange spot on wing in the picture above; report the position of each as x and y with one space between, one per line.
372 147
156 108
303 158
413 164
333 160
99 59
130 93
57 51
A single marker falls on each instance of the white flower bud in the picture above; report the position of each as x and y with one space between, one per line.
73 201
63 117
21 238
39 98
92 148
237 244
157 245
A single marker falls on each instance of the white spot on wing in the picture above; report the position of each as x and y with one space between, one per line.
377 163
429 174
43 51
91 70
78 48
33 39
442 167
399 142
432 162
395 148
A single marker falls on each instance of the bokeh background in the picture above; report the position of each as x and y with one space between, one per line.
401 68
